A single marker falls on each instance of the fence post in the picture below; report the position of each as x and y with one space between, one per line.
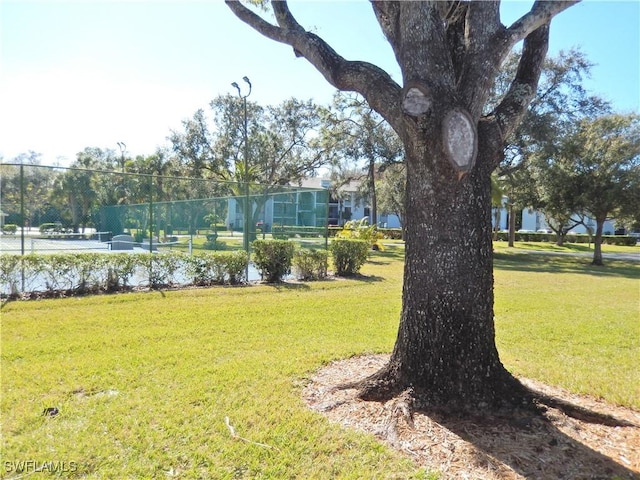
326 221
22 222
151 231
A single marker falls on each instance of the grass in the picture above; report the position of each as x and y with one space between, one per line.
144 381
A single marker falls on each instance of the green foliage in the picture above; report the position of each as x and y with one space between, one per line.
273 258
283 232
390 188
623 240
236 266
139 236
120 269
391 233
10 273
216 268
69 274
9 228
310 264
49 228
212 243
349 255
161 268
361 230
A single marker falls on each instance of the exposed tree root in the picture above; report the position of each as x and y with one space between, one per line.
580 413
569 437
510 395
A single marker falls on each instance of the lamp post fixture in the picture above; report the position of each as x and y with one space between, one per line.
123 148
247 211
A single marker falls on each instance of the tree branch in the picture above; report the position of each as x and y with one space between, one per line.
373 83
540 14
524 85
387 14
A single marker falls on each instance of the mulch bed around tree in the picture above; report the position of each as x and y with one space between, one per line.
552 445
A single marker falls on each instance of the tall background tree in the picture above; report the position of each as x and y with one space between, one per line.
364 143
284 145
594 171
391 191
560 103
449 54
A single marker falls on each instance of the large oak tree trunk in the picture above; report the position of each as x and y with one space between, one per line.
449 54
445 350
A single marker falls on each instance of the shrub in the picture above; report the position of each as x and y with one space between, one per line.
120 269
310 264
9 228
162 267
625 240
212 243
273 258
10 266
391 233
361 230
348 255
209 268
236 266
49 228
283 232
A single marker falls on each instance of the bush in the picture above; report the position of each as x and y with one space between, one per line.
214 245
348 255
236 266
49 228
273 258
209 268
310 264
9 228
77 273
161 268
391 233
625 240
283 232
361 230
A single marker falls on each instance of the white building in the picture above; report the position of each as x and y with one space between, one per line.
307 206
533 220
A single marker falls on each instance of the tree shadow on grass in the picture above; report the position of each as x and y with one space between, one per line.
570 437
285 286
364 278
550 263
535 446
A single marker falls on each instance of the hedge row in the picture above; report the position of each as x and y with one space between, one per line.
627 240
281 232
275 259
75 274
285 232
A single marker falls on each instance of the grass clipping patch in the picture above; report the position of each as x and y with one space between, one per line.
488 448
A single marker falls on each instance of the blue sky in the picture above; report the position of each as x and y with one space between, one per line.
81 73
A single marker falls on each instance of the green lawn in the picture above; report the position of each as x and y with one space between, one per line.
144 381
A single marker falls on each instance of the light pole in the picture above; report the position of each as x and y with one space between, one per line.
247 210
123 148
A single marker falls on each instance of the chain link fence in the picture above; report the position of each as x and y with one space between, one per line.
55 209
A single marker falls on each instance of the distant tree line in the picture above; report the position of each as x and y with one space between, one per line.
571 157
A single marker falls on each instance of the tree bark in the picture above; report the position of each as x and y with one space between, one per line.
371 178
449 58
445 349
597 242
512 226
